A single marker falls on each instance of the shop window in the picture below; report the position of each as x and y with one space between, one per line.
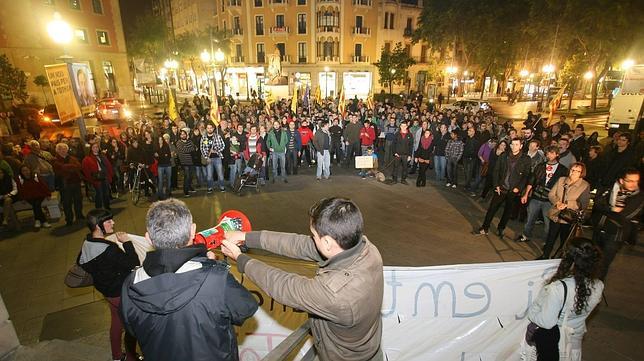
75 4
103 38
259 25
97 5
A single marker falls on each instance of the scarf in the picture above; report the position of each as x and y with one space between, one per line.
426 142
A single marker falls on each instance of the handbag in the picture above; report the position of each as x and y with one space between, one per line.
536 335
485 168
568 215
77 277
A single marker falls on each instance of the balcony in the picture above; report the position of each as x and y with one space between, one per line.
328 29
279 30
285 59
361 59
361 31
362 3
408 32
328 59
236 59
237 32
302 60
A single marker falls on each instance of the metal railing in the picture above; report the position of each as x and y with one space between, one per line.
360 59
290 343
329 59
237 59
328 29
238 31
232 3
362 2
361 30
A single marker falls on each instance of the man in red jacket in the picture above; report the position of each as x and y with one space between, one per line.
68 169
307 136
98 171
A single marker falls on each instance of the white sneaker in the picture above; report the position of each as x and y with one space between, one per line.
46 225
453 185
37 224
448 185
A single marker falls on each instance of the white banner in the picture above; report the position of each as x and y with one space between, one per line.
459 312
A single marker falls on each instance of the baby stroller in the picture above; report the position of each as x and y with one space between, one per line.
250 175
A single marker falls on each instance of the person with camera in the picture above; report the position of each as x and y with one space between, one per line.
109 265
98 171
615 216
565 301
569 198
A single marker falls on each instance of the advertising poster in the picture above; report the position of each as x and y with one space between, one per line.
84 84
63 90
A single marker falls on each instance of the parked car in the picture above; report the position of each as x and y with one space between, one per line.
48 116
112 109
474 105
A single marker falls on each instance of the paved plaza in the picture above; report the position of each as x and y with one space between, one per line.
410 226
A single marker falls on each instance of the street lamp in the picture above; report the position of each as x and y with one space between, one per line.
627 64
326 82
205 56
523 73
548 69
451 70
588 75
219 58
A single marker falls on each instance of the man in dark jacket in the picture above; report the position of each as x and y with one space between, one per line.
336 141
615 216
509 180
352 140
402 148
540 183
470 157
68 178
182 305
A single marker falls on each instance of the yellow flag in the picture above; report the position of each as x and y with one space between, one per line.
268 101
294 101
318 95
215 117
554 105
341 102
370 101
172 107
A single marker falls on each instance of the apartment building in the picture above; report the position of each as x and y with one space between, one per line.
320 43
98 40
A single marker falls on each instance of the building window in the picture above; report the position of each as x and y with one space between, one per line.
261 55
301 2
259 25
74 4
81 36
359 22
391 20
97 5
258 3
327 49
423 54
238 50
387 48
301 52
279 20
408 50
281 47
358 50
108 70
301 23
103 38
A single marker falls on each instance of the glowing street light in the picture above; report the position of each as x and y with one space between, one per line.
393 71
627 64
205 56
523 73
59 31
588 75
171 64
465 73
451 69
548 68
219 56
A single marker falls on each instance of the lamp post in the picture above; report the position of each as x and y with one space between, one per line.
547 69
451 70
61 33
220 57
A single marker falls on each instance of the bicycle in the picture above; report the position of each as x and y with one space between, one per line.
140 179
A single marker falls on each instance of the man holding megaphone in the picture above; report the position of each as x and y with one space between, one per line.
344 298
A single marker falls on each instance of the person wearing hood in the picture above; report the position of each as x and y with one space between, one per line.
180 304
109 265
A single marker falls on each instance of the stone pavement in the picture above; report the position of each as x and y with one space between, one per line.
411 227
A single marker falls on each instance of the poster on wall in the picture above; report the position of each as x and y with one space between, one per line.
84 85
63 90
274 70
356 84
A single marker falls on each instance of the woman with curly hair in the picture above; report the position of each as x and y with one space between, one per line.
566 300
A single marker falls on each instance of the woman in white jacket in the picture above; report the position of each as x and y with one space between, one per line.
579 271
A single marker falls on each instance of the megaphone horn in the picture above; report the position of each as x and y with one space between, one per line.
228 221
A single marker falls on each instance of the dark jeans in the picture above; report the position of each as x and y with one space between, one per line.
610 244
291 161
102 196
505 199
452 171
470 166
353 149
306 154
336 149
422 173
400 166
71 196
561 230
188 173
36 204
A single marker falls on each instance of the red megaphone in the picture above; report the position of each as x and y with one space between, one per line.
228 221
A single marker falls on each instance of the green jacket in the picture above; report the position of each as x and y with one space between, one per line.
278 146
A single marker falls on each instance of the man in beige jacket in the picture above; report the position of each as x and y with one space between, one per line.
344 298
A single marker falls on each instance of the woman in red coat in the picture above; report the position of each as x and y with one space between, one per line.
33 190
98 171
